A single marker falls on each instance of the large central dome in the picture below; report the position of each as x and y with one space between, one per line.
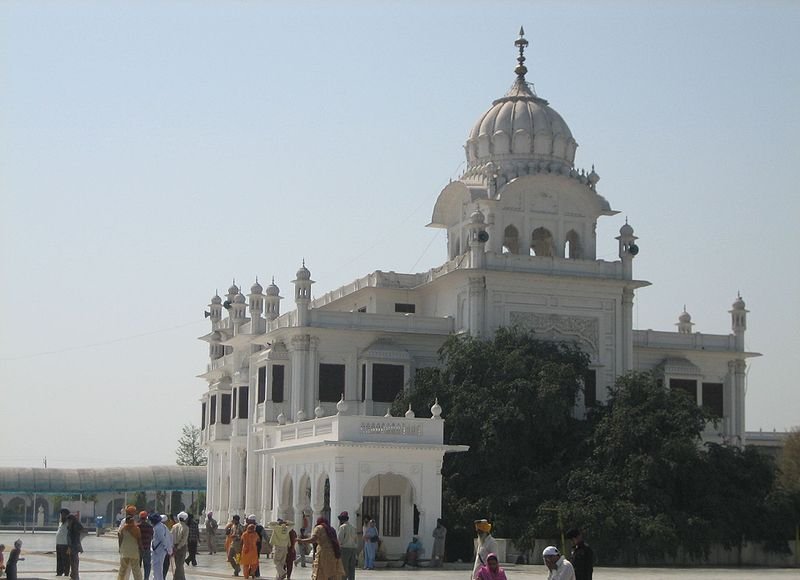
520 130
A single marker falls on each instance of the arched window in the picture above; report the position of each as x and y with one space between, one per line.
511 240
541 242
572 248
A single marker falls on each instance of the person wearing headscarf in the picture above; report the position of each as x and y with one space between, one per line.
485 546
559 568
251 519
129 538
13 558
491 570
328 555
249 558
371 540
291 554
160 546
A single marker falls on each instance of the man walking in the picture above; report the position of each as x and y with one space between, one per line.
180 543
348 542
161 546
74 531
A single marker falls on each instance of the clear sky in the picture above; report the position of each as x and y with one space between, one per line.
150 152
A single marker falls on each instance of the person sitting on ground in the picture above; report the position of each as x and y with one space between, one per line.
413 551
491 570
558 566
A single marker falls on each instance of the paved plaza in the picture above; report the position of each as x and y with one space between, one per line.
99 562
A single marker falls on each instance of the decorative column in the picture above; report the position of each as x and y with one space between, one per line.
627 329
298 351
477 304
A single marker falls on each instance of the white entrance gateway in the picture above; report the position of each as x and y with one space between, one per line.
293 418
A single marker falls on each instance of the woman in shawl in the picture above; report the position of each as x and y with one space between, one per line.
370 545
328 555
491 570
249 558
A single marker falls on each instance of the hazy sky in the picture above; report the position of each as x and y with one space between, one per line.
150 152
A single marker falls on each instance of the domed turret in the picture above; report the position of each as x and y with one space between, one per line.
520 132
216 299
256 288
684 323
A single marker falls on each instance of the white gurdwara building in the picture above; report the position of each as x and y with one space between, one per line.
296 419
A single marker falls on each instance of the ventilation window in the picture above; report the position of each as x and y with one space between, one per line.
406 308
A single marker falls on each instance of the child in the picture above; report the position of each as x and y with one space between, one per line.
13 558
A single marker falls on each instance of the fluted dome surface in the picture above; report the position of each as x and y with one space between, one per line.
520 126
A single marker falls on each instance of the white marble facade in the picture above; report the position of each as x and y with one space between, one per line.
293 418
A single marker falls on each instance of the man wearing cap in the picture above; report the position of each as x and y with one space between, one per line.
180 542
62 556
581 556
146 535
486 545
348 542
558 566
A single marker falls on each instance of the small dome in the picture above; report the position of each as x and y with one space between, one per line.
477 217
256 288
234 289
272 289
626 230
739 303
685 317
216 299
239 299
303 273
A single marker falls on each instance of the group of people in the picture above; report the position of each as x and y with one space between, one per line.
580 566
244 543
151 542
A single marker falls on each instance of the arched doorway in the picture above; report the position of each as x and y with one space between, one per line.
390 500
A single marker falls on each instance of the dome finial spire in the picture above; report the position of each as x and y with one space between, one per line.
521 43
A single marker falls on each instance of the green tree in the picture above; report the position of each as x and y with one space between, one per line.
189 450
511 399
632 490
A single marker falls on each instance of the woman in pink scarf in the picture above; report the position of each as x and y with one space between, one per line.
491 570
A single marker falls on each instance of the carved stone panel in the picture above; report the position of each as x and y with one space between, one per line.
584 329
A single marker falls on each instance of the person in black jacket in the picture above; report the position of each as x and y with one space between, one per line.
582 556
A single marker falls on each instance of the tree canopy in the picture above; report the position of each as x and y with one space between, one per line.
511 399
635 473
189 451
